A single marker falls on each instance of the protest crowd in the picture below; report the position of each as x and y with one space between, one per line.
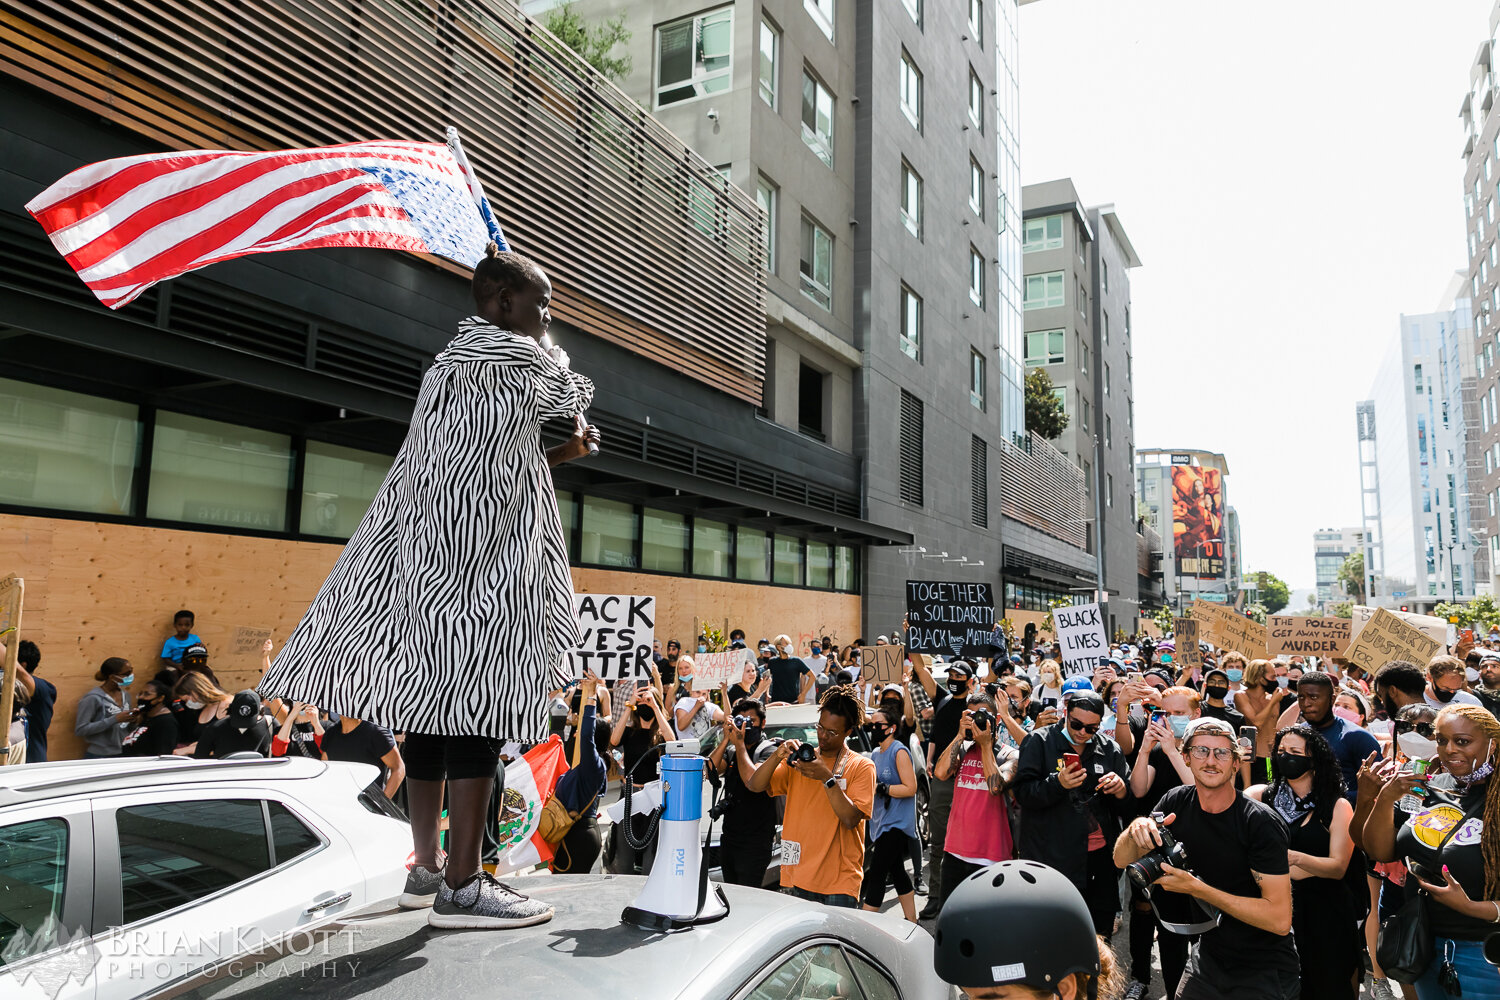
1256 819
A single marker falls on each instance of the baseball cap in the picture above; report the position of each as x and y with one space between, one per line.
1073 685
196 649
244 709
962 668
1210 726
1161 674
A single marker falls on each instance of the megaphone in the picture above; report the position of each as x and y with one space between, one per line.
675 896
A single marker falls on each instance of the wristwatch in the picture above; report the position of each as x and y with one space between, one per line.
830 782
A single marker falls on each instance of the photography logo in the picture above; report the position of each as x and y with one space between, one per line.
68 957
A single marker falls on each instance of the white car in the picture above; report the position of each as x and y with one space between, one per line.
120 877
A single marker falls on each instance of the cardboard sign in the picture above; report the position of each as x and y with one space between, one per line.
615 636
1434 628
248 639
1080 632
712 669
1385 638
1185 633
951 619
1228 629
12 590
1296 635
881 664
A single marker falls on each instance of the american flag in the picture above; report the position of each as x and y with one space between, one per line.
128 223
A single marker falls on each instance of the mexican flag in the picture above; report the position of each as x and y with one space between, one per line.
528 784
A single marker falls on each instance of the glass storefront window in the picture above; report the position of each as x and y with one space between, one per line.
843 569
664 541
819 565
65 450
609 533
209 472
338 485
710 548
567 512
788 560
752 558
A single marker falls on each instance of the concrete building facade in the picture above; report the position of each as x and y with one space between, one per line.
1331 546
1183 493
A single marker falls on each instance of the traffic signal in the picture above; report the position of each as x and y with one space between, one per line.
1403 607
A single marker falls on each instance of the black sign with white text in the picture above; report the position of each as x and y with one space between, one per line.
950 619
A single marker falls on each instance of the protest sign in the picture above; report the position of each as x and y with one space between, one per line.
1080 632
881 664
1434 628
951 619
1228 629
248 639
12 591
727 667
1296 635
616 632
1386 637
1185 637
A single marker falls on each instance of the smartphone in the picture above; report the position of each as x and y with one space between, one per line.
1070 760
641 684
1248 736
1136 677
1158 717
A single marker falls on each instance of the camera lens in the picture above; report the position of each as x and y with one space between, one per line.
806 754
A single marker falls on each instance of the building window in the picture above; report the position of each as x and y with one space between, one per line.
911 200
1109 489
976 21
1044 291
820 565
914 8
1104 317
65 450
787 561
767 196
1104 276
817 263
1417 378
1109 431
693 56
1083 359
1060 393
664 541
1045 233
338 486
912 478
770 60
976 380
1083 411
752 555
810 386
976 277
821 11
1045 347
710 548
1106 379
976 100
844 576
911 324
976 187
609 533
817 118
911 91
979 482
207 472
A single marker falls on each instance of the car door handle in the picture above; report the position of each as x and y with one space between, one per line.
342 897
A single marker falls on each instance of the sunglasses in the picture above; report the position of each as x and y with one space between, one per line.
1420 728
1079 726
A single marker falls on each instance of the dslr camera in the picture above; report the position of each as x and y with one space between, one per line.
806 753
1147 870
984 720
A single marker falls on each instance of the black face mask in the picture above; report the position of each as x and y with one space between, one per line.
1442 695
876 733
752 735
1216 691
645 713
1291 767
958 686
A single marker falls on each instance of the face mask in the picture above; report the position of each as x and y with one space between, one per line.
1235 675
1282 682
1216 692
957 686
1472 675
702 648
1349 715
876 734
1292 767
1179 724
1442 695
193 704
125 681
1416 746
645 713
752 735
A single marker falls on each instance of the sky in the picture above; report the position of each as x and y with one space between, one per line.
1290 176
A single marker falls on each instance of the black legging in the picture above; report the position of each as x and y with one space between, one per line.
887 858
1173 947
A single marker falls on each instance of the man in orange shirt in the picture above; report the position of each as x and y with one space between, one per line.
828 799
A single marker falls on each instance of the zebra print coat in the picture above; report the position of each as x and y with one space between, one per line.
451 608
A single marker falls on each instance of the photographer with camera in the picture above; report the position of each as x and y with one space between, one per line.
830 792
749 818
1070 785
893 824
948 709
1229 852
981 769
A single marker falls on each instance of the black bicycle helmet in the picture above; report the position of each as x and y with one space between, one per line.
1014 922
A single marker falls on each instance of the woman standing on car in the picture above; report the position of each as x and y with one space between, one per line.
893 821
104 710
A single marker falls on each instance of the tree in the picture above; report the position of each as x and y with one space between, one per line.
1480 614
1258 611
1045 414
1352 576
1343 609
1274 593
593 42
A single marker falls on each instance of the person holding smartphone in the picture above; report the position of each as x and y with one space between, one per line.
981 768
1071 785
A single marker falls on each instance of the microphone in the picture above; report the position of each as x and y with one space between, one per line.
555 351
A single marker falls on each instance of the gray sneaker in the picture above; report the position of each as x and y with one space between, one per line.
1381 989
421 885
483 902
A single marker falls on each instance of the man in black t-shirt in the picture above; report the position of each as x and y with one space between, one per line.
1237 863
791 677
749 818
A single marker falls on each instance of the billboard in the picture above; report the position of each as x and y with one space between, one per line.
1198 521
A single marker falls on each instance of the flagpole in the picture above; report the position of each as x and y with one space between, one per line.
457 146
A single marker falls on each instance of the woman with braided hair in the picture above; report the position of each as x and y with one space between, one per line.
830 792
1451 847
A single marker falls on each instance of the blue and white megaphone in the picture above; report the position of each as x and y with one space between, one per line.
676 894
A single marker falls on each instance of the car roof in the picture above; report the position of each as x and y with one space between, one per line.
792 715
56 779
585 950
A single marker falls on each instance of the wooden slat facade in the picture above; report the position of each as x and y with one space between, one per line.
1040 487
646 244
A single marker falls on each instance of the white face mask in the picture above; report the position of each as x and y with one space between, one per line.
1416 746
